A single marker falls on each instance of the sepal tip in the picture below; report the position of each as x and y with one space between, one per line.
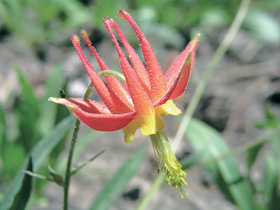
71 108
53 99
197 37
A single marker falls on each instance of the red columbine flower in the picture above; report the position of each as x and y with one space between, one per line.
141 101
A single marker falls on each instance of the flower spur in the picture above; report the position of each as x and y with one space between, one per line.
142 100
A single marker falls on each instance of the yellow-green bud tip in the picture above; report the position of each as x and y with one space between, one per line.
70 108
55 100
189 58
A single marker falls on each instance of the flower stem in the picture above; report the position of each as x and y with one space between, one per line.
223 47
70 154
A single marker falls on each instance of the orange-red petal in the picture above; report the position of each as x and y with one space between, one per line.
114 104
175 68
150 122
158 85
134 58
179 83
114 84
95 115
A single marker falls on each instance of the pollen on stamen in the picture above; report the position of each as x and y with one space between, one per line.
121 14
112 22
84 34
107 21
75 39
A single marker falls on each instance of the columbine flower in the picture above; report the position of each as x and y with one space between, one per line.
141 101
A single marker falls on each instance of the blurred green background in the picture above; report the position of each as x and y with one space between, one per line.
34 45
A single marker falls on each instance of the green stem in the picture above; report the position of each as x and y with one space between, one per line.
70 154
156 185
75 134
223 47
112 73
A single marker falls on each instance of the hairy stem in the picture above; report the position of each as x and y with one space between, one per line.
70 154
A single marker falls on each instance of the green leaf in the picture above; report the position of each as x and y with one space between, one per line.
49 110
118 182
263 26
270 185
191 160
38 154
271 120
46 145
13 157
252 155
27 92
19 192
3 135
225 172
27 112
214 18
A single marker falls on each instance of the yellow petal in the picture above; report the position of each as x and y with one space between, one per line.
168 108
130 128
152 124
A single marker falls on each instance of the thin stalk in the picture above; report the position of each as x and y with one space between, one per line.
112 73
156 185
70 154
220 52
244 147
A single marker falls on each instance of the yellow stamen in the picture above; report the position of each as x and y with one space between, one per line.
168 163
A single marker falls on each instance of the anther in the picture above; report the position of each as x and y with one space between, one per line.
121 14
84 34
75 39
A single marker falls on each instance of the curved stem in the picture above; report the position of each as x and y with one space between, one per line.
223 47
112 73
70 154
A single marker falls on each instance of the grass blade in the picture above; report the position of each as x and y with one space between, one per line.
3 135
271 191
116 185
45 146
27 109
49 110
17 196
38 154
225 172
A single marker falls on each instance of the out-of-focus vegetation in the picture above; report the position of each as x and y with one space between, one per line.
26 121
42 22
